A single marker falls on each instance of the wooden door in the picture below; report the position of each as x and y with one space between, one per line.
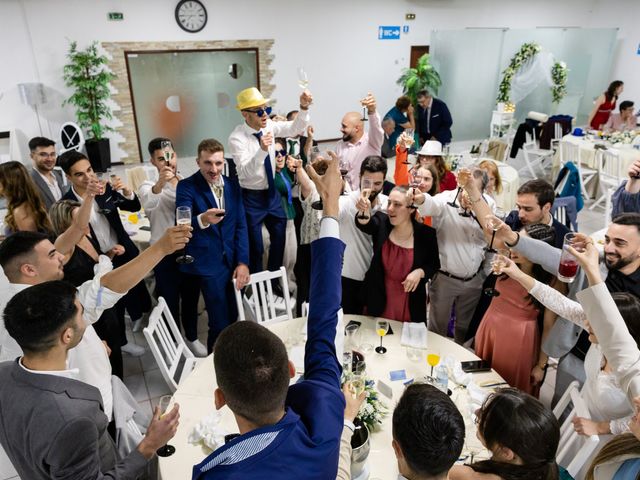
416 52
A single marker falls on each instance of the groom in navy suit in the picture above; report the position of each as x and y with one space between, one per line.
220 245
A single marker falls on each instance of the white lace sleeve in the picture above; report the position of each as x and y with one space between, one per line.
620 425
560 304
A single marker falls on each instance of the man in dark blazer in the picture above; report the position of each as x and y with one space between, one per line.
50 181
220 243
434 119
107 229
53 426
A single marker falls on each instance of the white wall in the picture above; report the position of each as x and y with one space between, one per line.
336 42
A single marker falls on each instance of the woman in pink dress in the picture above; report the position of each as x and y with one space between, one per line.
509 336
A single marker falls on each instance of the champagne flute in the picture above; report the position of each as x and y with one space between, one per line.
163 405
364 110
183 217
493 223
408 141
103 185
356 384
344 171
303 78
414 182
382 327
168 154
433 358
365 193
465 210
497 264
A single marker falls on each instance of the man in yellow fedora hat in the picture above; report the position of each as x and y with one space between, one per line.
251 145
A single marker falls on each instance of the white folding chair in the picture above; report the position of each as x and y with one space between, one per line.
262 305
137 175
168 347
610 176
534 156
574 450
570 152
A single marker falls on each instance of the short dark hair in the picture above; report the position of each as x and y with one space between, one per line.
423 93
69 158
626 104
36 142
156 144
34 316
374 164
291 114
542 190
210 145
629 307
628 218
252 370
429 429
16 250
403 102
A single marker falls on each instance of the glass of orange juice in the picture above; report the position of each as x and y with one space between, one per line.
433 358
382 327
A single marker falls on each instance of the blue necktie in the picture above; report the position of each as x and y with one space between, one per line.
288 185
267 166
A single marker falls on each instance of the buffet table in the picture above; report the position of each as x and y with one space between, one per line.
195 395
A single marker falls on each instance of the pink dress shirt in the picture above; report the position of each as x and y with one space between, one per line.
616 124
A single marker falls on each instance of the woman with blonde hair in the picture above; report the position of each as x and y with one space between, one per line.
495 182
619 459
25 208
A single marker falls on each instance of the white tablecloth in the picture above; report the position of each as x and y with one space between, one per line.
195 396
137 226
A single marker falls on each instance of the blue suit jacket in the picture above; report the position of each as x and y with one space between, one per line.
305 443
439 123
221 247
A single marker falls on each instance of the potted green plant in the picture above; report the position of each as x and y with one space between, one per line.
87 74
423 77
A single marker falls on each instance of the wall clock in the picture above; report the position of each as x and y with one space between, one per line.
191 15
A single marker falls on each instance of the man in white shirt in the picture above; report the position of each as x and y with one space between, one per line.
359 246
251 146
461 243
356 144
50 182
158 199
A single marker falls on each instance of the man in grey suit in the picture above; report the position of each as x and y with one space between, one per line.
53 426
51 183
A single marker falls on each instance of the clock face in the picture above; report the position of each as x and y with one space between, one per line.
191 15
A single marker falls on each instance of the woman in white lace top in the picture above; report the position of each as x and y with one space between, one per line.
608 404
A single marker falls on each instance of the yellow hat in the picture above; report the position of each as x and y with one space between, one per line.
250 97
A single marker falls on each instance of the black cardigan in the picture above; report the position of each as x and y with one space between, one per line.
425 256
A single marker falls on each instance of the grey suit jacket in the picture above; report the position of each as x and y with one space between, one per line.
54 427
564 334
43 188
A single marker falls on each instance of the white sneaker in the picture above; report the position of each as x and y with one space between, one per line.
137 325
133 349
197 348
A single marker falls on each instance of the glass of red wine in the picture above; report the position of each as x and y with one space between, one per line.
568 267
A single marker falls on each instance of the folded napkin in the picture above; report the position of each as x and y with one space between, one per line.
477 395
459 376
209 432
414 335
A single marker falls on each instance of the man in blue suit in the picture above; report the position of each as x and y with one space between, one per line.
433 119
220 245
286 432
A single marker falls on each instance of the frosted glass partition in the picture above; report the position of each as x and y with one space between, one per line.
470 63
188 96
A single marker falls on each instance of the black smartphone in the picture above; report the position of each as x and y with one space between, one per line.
220 214
476 366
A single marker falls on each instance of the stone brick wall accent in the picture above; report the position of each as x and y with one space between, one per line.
122 93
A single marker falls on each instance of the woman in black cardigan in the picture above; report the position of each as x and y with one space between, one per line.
405 257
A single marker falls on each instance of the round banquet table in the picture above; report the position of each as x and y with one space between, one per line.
195 397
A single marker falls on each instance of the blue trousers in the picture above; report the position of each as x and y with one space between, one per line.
262 207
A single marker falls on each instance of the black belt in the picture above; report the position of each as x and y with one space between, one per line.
455 277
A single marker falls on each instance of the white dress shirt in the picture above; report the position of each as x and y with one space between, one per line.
359 246
89 357
160 208
53 186
245 149
106 237
461 240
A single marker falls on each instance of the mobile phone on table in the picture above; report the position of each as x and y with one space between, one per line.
475 366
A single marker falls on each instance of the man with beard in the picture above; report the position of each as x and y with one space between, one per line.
50 183
621 270
359 246
356 144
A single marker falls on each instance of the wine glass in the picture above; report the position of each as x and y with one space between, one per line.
365 193
497 264
103 186
168 153
493 223
382 327
414 182
465 212
357 384
303 78
433 358
344 171
364 109
163 405
407 141
183 217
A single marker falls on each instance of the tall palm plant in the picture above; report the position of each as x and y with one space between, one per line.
423 77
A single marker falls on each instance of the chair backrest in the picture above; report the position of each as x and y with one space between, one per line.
167 345
137 175
610 169
261 305
574 450
565 211
569 152
557 131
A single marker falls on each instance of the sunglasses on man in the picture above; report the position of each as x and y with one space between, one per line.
261 111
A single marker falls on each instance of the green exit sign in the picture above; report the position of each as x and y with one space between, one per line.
116 16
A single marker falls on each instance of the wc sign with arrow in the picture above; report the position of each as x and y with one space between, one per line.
389 33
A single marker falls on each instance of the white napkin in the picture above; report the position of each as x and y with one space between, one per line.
414 335
459 376
477 395
209 432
